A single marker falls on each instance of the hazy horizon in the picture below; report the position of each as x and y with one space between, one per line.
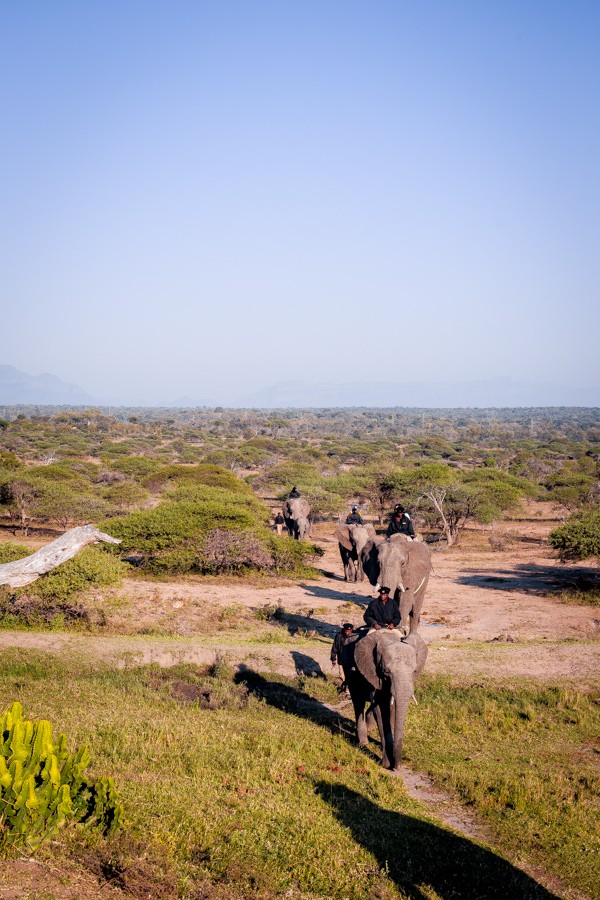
210 200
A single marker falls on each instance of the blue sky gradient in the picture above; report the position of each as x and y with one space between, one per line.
204 198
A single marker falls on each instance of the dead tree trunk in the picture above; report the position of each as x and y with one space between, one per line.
24 571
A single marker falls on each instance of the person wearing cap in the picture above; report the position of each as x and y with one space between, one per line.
339 641
400 523
336 653
294 492
354 517
383 611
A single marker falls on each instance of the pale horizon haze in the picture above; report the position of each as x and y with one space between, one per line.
206 199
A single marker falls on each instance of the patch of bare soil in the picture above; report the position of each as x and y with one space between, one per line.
33 879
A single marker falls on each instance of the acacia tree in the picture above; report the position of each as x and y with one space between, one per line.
448 497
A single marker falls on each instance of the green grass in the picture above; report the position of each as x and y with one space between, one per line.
265 793
580 596
526 758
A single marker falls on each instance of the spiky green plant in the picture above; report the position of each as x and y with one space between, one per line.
42 786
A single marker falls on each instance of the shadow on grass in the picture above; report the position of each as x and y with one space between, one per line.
419 856
295 623
534 579
306 665
294 700
362 597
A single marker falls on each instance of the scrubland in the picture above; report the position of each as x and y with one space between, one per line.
194 661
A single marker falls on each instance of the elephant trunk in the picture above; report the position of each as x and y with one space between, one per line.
402 693
391 577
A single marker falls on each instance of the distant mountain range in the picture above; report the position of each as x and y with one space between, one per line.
493 392
18 388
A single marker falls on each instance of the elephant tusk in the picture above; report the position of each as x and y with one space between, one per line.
421 585
415 699
377 586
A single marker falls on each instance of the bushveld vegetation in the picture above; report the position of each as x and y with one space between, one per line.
69 466
250 786
179 488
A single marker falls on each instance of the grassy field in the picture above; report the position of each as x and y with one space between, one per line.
251 787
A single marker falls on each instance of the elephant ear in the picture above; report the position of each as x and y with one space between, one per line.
421 651
342 533
365 659
371 532
370 561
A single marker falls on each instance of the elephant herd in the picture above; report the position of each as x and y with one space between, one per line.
380 666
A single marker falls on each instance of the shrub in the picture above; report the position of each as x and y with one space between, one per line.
53 598
42 786
233 551
11 552
579 537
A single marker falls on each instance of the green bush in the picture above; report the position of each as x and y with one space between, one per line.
579 537
42 786
54 599
11 552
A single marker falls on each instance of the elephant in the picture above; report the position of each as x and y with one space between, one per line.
295 512
351 540
381 667
404 566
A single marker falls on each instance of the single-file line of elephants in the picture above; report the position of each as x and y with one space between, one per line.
380 666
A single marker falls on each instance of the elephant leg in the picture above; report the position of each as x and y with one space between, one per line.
381 711
407 599
371 723
419 597
361 723
360 575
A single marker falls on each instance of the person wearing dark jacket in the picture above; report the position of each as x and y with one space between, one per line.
400 523
294 492
354 517
383 612
338 643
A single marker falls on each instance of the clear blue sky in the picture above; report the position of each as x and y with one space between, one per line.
205 198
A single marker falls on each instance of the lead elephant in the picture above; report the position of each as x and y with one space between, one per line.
404 566
380 667
295 512
351 540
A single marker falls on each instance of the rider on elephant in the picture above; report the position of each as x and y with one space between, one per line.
294 492
382 612
354 517
400 523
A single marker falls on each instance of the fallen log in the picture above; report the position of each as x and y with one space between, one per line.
24 571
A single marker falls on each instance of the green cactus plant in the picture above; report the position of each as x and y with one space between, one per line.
42 786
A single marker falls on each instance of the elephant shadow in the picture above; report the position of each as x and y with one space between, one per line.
327 594
306 665
295 701
296 623
422 858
